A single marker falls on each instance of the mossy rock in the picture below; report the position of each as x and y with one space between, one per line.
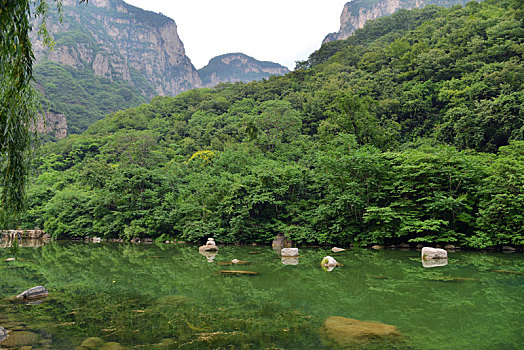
112 346
22 338
92 343
348 333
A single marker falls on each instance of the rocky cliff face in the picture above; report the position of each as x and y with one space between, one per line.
117 40
357 12
54 124
234 67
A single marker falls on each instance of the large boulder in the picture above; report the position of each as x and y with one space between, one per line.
434 253
33 293
289 252
348 333
281 241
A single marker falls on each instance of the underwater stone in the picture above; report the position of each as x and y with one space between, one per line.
433 253
92 343
19 339
289 252
33 293
3 333
112 346
348 333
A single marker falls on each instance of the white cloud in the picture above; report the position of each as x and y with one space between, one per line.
282 31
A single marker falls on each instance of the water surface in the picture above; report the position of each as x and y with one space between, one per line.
170 296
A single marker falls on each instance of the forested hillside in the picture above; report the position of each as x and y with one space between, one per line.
409 131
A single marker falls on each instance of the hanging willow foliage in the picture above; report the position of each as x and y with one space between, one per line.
19 99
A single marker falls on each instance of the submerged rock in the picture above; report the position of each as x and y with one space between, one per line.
238 272
3 333
19 339
33 293
434 253
112 346
434 263
92 343
354 334
289 252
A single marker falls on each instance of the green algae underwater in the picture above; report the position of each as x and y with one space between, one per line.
166 296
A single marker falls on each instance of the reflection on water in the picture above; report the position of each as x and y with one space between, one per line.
434 262
169 297
7 242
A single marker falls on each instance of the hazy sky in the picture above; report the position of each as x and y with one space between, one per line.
282 31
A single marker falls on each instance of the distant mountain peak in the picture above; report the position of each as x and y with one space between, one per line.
237 66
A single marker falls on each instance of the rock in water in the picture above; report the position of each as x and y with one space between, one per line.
209 246
33 293
281 241
21 339
3 334
433 253
336 250
348 333
92 343
289 252
329 262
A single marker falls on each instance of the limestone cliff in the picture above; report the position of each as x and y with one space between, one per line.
357 12
117 40
234 67
54 124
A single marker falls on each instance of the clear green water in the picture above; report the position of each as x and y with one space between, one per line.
171 297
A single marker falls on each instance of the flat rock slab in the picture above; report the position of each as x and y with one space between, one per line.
348 333
238 272
33 293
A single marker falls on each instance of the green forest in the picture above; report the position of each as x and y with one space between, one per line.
411 130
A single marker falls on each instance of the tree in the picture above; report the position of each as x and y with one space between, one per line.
19 99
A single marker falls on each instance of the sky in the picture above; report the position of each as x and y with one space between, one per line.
282 31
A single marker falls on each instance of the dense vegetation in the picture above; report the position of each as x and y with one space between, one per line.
81 95
411 130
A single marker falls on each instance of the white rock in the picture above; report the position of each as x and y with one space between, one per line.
289 252
235 261
336 250
433 253
329 262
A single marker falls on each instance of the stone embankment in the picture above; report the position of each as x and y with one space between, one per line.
24 234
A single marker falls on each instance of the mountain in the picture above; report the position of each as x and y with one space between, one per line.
234 67
357 12
109 55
